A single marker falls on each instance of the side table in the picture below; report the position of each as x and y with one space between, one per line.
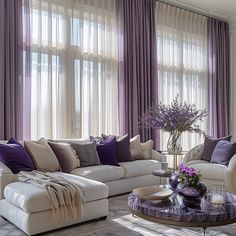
163 173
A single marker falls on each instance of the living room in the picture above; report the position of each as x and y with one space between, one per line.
103 99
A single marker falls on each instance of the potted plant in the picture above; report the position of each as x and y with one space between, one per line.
190 187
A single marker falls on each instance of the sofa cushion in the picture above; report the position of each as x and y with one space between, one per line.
223 152
123 149
147 149
15 157
209 170
140 167
103 173
107 151
87 153
135 148
209 146
42 155
32 198
65 155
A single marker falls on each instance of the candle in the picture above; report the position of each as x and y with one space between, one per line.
217 199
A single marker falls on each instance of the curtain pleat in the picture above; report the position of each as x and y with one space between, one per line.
14 56
137 63
218 77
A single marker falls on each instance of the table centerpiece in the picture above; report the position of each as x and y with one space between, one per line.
190 187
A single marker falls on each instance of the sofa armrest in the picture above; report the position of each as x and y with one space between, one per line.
230 176
6 177
194 154
158 156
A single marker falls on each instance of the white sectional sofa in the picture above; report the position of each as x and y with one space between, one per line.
28 206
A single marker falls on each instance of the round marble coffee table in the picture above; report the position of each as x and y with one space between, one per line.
174 212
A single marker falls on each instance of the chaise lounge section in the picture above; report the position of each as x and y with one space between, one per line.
28 206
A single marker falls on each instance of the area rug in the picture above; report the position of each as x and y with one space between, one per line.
121 223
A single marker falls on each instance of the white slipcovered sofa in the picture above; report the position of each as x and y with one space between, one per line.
213 173
28 206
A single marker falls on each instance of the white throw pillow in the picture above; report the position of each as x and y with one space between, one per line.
140 151
42 155
135 148
147 149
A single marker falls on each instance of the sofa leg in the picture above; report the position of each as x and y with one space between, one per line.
103 218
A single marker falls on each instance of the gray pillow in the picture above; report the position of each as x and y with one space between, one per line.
223 152
65 155
209 146
87 154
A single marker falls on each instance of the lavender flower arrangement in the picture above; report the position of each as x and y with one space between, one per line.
188 175
175 119
177 116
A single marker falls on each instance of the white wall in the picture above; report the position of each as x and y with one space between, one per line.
232 28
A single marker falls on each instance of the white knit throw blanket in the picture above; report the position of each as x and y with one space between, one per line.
66 197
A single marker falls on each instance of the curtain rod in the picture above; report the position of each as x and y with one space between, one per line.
191 10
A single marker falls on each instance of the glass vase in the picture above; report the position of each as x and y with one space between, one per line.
173 143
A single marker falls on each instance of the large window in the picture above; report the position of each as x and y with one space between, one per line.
74 87
182 62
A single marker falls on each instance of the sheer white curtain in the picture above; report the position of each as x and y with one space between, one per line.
182 62
74 86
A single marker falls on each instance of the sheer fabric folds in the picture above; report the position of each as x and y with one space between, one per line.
182 62
74 68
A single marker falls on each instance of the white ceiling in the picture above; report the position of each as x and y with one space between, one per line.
220 8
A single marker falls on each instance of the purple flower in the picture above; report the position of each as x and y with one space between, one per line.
188 175
175 117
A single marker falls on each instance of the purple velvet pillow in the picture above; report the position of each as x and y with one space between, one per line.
123 149
107 151
223 152
15 157
209 146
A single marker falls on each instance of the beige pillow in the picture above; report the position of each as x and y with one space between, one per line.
65 155
42 155
147 149
135 148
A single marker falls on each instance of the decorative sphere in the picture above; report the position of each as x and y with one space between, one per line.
174 180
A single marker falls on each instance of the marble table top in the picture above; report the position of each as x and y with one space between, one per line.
174 212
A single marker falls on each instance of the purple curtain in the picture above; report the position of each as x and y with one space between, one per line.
137 63
14 58
218 77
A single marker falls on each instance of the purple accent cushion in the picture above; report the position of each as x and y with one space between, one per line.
107 151
15 157
123 149
223 152
209 146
